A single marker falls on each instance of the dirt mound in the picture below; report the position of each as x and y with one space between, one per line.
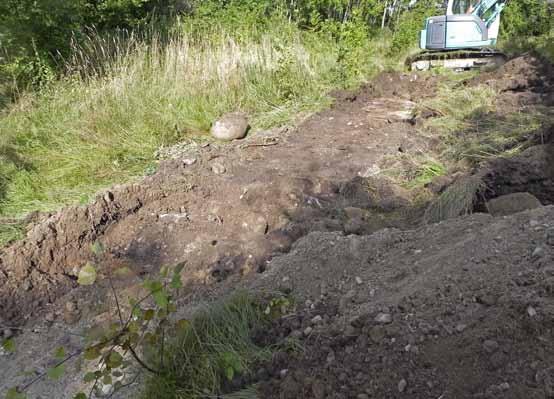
268 191
529 76
410 314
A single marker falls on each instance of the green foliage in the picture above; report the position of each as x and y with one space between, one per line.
525 18
410 23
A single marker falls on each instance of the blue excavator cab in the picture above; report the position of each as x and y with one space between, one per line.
471 26
467 24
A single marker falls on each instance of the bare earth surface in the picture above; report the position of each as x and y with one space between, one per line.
459 309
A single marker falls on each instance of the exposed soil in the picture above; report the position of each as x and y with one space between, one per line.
459 309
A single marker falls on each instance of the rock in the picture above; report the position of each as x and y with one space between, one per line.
283 373
383 318
218 168
402 385
256 224
359 281
490 346
537 253
461 327
230 127
330 357
7 333
50 317
308 331
531 311
354 226
189 161
317 320
377 334
512 203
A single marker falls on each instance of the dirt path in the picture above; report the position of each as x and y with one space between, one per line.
300 205
228 222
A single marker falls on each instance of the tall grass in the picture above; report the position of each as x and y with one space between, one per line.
124 98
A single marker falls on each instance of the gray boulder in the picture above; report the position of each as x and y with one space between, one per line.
230 127
512 203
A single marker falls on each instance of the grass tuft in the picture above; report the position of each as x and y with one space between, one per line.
214 349
457 200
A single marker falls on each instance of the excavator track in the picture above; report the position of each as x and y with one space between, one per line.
458 60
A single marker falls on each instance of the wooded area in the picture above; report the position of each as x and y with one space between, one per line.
37 36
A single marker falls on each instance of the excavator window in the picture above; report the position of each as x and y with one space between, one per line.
464 6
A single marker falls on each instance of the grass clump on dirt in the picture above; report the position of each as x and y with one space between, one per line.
125 98
473 128
214 349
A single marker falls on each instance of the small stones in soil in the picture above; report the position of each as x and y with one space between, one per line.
383 318
7 333
402 385
308 331
461 327
359 281
531 311
317 320
189 161
218 168
490 346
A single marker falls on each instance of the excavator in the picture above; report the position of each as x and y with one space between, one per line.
463 39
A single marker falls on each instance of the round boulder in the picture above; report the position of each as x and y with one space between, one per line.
230 127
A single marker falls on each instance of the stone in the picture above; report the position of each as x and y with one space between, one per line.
230 127
7 333
490 346
317 320
537 253
218 168
189 161
354 226
512 203
402 385
308 331
383 318
531 311
256 224
377 334
359 281
461 327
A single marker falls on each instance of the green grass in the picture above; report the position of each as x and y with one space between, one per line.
103 122
473 128
216 347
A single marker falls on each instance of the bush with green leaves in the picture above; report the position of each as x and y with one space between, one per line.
182 358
